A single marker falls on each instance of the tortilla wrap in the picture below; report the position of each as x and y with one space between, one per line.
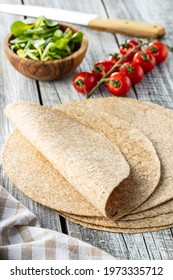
143 221
150 222
138 150
88 160
154 122
118 230
134 145
36 177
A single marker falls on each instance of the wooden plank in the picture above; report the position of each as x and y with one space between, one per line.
159 244
15 87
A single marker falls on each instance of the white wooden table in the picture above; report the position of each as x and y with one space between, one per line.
156 87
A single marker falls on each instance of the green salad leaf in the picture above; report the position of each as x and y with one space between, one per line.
43 39
77 37
18 27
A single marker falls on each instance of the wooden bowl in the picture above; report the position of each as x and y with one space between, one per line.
47 70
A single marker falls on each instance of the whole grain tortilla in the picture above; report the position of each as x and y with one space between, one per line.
88 160
137 149
117 229
150 222
140 224
39 180
52 188
156 125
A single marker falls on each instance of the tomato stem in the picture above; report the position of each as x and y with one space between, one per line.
118 64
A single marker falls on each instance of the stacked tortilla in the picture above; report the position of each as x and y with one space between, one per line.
103 163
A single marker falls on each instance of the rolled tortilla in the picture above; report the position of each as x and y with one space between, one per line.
134 145
36 177
88 160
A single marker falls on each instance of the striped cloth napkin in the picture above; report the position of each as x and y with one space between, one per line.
22 238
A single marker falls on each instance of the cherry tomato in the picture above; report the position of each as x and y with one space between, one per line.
119 84
145 60
101 68
116 57
127 46
158 50
83 82
133 71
